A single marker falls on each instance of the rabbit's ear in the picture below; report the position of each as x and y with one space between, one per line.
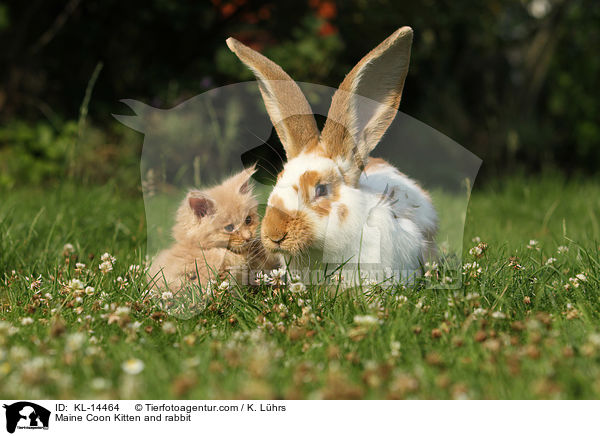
367 100
287 106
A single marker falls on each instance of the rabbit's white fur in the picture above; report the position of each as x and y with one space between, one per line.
390 231
333 203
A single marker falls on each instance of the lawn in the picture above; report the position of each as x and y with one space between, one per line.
524 324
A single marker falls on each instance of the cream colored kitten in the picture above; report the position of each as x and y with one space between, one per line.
215 232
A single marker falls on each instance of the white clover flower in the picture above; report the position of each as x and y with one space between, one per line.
75 285
224 285
79 265
36 284
74 341
366 320
277 277
122 282
574 281
401 299
132 366
48 296
122 310
35 364
19 353
581 277
26 321
476 239
562 249
337 277
262 278
472 268
370 282
594 338
532 243
550 260
89 290
107 257
479 312
476 251
68 249
169 328
278 273
99 384
167 295
134 269
297 288
433 266
395 349
106 267
498 315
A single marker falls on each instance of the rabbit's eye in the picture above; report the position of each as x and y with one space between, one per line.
320 190
248 220
229 228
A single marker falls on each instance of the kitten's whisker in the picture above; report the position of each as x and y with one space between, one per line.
274 175
269 145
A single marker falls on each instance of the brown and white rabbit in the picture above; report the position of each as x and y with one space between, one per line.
332 201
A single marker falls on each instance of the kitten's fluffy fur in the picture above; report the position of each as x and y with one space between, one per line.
215 232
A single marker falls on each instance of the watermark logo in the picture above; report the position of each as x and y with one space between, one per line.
341 180
25 415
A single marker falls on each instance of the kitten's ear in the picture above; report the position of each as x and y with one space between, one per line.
243 179
201 206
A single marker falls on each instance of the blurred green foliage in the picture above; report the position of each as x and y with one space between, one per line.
514 81
38 151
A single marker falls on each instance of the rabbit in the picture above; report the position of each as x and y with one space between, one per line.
333 203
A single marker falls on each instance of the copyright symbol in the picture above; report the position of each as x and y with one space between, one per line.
138 407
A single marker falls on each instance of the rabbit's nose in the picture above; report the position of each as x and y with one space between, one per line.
274 225
278 241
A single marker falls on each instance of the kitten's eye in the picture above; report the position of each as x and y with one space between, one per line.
248 220
320 190
229 228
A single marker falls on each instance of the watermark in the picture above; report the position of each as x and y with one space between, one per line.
25 415
341 181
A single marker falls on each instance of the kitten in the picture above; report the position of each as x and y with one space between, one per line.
215 232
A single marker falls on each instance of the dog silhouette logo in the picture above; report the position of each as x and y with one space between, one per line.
26 415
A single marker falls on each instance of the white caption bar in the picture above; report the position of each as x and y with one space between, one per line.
23 417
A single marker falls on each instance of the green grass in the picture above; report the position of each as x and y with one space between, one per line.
543 340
